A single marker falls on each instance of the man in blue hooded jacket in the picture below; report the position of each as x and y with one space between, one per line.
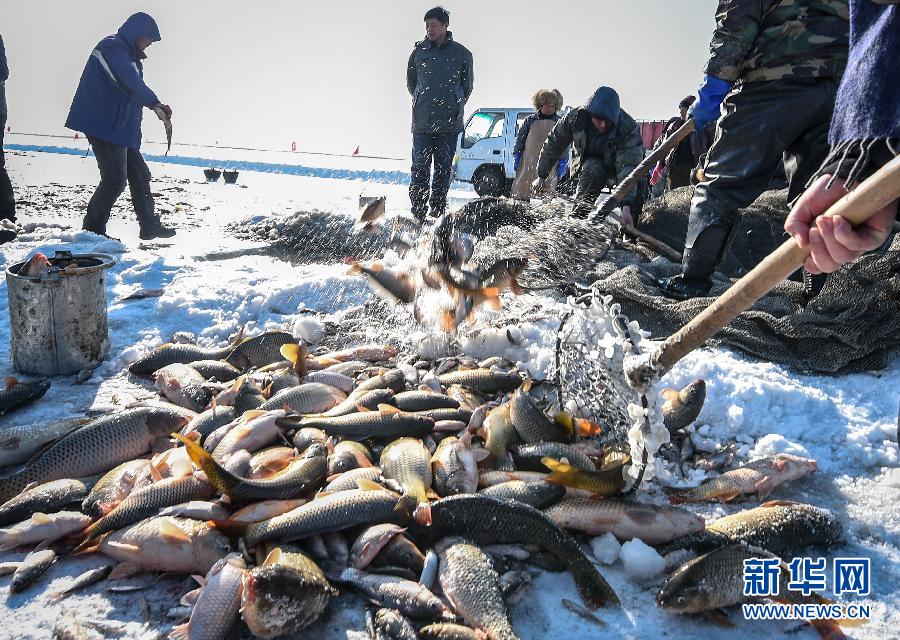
107 108
608 145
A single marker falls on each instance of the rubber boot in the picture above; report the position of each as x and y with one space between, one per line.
699 262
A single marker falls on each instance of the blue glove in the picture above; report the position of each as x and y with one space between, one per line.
711 93
562 167
517 159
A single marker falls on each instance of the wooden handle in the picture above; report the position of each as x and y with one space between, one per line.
646 165
859 205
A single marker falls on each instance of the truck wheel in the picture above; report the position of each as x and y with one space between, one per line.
489 181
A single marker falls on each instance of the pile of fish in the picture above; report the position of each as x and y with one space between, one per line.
285 477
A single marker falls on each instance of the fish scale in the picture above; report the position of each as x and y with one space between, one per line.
259 350
783 528
218 606
482 380
332 513
176 354
96 447
309 397
486 520
147 501
408 597
44 498
473 587
374 424
407 461
20 393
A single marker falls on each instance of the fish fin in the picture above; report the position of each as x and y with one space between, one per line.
431 494
586 428
155 474
764 487
780 465
422 514
238 337
676 496
493 303
728 497
181 631
447 321
229 527
362 409
526 384
11 443
365 484
376 267
41 518
170 533
718 618
670 395
9 382
190 598
201 580
273 557
566 421
404 509
125 569
252 414
778 503
388 408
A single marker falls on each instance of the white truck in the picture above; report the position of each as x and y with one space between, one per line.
484 150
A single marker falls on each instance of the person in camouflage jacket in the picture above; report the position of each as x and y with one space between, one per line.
771 81
608 145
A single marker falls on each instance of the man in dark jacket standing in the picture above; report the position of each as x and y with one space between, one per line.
609 146
773 72
107 108
439 76
7 199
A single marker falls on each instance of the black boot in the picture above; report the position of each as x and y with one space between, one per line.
698 264
151 231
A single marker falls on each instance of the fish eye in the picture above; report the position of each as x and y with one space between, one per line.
680 600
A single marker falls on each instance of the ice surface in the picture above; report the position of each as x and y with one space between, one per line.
214 284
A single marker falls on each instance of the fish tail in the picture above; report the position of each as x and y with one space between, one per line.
562 473
593 588
218 477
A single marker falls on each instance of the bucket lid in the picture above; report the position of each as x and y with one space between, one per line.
64 263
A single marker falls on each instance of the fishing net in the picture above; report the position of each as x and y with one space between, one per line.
594 344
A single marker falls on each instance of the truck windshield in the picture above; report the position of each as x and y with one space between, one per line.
484 124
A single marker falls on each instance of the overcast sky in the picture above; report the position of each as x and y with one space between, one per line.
331 75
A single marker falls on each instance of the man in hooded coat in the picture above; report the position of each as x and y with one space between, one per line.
107 108
608 146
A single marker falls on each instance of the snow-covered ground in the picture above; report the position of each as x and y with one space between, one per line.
214 284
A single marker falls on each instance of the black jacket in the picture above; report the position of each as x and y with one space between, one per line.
440 81
622 149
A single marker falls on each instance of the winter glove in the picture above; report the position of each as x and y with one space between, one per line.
166 109
656 176
562 167
517 160
711 93
539 186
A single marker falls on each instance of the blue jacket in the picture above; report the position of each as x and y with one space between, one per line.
111 93
440 81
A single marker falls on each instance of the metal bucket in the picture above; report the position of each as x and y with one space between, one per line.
58 318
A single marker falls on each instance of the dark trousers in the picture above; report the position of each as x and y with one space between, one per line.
763 123
119 165
592 179
427 147
7 199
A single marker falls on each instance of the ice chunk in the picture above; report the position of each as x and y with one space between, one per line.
606 548
641 561
308 329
